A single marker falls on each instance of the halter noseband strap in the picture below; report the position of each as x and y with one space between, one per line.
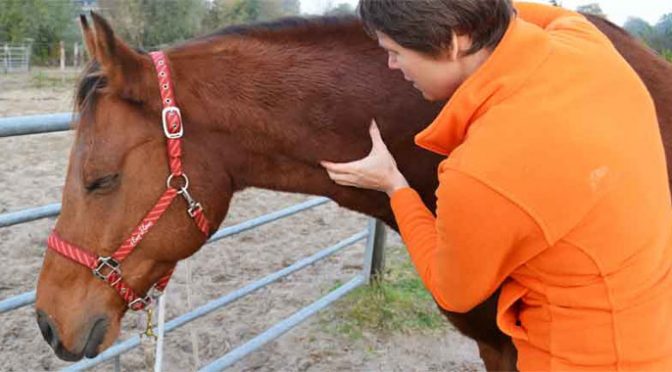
108 268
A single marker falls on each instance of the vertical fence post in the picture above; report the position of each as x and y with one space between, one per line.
29 51
374 258
8 57
4 58
117 363
62 52
26 58
75 59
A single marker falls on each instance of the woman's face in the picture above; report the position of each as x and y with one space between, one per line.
436 77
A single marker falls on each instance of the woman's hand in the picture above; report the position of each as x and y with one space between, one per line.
377 171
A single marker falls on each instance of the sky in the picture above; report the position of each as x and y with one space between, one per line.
617 11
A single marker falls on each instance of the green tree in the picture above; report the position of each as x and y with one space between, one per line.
45 22
664 32
340 9
641 29
127 19
290 7
167 24
153 23
227 12
658 37
593 8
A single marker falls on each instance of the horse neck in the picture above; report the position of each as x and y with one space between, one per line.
267 114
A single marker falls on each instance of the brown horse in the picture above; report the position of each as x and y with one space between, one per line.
262 106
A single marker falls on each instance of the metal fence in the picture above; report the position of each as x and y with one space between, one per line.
374 235
15 58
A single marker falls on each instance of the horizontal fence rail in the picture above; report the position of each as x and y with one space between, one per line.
34 124
15 302
30 214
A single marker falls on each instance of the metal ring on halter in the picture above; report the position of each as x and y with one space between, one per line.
181 188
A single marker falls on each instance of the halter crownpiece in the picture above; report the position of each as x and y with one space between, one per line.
108 268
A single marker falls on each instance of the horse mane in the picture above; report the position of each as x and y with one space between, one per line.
298 29
289 27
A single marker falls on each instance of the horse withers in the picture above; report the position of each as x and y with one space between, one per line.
261 106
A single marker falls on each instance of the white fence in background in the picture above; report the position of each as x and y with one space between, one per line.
14 58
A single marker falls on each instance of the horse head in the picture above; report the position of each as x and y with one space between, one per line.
123 192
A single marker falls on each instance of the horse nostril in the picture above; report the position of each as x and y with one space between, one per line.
50 334
47 329
96 338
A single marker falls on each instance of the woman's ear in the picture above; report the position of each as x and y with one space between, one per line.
458 45
454 47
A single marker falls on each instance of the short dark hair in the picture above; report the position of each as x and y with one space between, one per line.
427 26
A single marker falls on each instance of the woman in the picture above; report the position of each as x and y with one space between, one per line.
554 187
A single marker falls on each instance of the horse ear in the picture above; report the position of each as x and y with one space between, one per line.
128 72
87 34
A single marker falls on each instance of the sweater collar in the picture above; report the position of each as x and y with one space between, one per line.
522 49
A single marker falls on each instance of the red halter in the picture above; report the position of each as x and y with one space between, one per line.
109 268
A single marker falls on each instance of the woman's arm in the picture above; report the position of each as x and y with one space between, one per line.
476 240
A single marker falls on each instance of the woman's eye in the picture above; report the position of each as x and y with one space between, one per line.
102 183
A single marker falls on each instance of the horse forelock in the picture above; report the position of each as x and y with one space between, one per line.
90 82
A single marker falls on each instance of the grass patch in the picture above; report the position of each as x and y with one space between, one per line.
398 304
51 79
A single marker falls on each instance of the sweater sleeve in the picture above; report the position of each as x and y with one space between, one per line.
476 240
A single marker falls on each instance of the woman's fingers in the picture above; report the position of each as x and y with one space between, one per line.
343 179
342 167
374 132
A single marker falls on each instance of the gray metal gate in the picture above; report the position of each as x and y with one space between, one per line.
15 58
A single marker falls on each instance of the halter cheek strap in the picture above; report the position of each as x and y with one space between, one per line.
108 268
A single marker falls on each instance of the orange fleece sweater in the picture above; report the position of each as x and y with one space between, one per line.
556 190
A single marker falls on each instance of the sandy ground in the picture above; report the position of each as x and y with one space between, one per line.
32 174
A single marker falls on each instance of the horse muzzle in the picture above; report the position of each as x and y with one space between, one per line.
91 346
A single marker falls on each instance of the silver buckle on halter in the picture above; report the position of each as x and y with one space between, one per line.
110 264
164 117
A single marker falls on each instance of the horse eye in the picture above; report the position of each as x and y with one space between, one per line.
102 183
